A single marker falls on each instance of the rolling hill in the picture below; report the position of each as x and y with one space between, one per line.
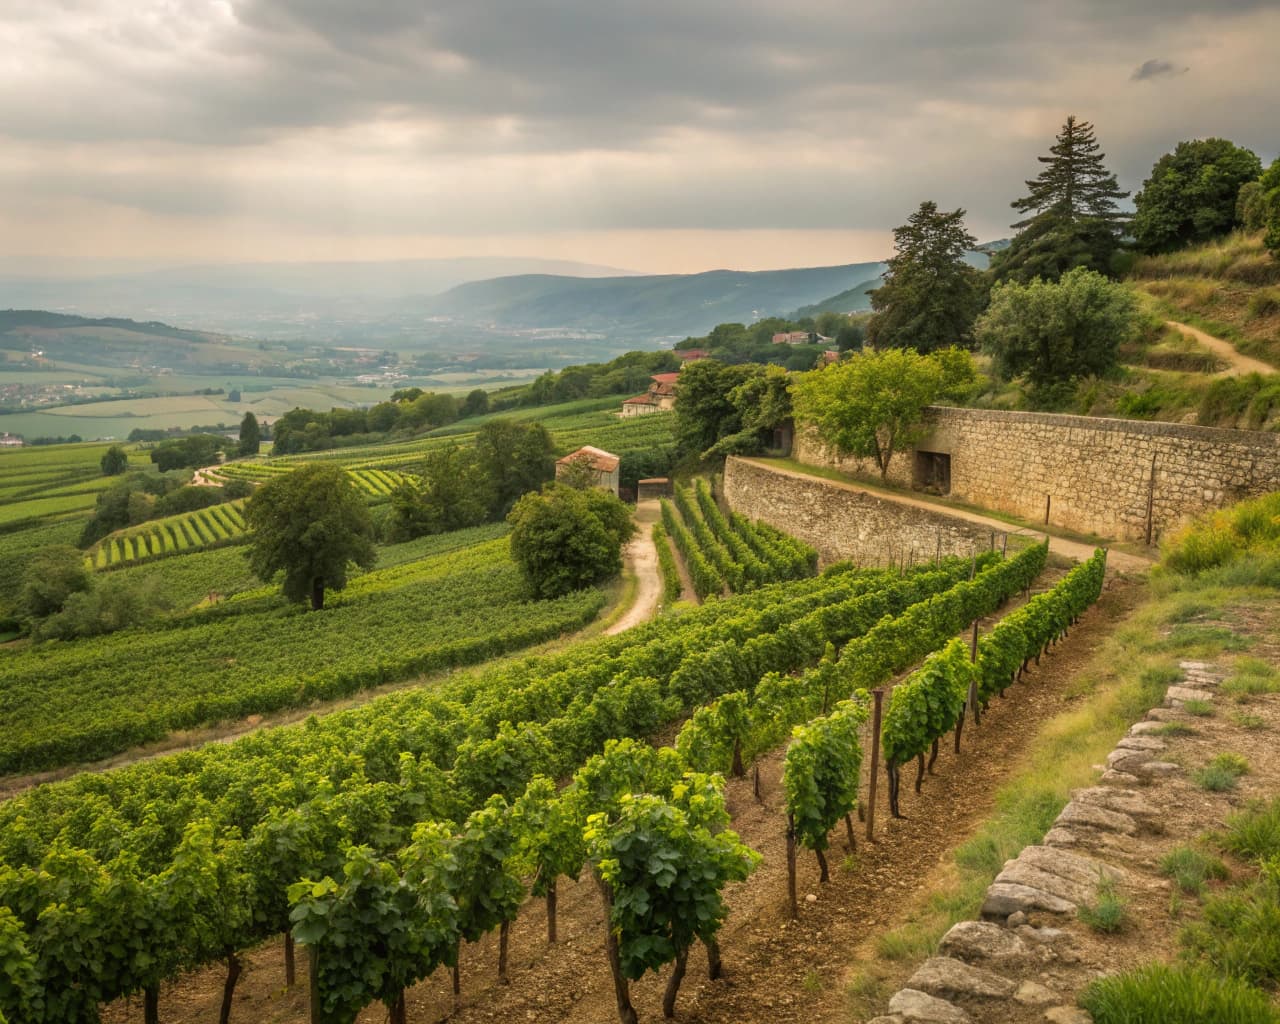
645 308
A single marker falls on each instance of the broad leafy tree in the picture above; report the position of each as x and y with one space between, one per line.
564 539
1074 217
762 402
930 295
1270 189
312 525
1191 194
872 405
114 461
451 492
1054 331
729 409
51 576
250 435
190 452
704 410
516 458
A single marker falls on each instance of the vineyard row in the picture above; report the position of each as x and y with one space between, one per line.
230 830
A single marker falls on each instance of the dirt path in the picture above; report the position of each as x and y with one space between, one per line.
776 971
1237 364
1117 560
641 558
207 477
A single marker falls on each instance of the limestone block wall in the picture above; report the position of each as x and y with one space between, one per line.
844 523
1095 473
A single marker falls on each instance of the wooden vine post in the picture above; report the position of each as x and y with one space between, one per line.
877 708
791 866
972 698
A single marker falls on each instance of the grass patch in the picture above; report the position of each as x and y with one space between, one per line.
1161 675
1254 833
1251 678
1190 869
1204 639
1175 729
1239 934
1222 773
1108 913
1198 708
1175 995
1247 721
908 943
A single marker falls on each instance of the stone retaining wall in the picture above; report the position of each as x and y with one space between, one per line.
1095 474
1021 963
844 523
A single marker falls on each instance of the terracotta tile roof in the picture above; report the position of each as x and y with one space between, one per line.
666 378
598 459
645 399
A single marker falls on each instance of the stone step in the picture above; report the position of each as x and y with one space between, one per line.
1140 743
947 978
1115 798
1071 866
1080 813
1159 769
1005 898
984 942
1176 695
911 1004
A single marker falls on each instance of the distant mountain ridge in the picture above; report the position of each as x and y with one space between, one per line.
646 308
575 313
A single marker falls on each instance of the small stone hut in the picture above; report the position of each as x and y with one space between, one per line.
604 466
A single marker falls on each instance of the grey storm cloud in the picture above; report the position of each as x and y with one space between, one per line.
1156 68
806 114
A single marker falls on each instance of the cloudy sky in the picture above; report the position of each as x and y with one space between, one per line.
655 135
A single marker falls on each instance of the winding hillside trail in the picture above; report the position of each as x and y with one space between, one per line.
1237 364
1078 550
207 477
641 558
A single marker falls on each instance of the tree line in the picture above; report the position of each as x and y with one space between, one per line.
1048 309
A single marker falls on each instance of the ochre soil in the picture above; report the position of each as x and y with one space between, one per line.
775 970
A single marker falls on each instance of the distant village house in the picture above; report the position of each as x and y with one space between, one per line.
800 338
660 397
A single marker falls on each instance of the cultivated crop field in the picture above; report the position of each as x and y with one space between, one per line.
487 775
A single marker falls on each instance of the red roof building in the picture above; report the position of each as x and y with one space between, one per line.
604 466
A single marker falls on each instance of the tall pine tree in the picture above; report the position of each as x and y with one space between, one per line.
930 296
1074 217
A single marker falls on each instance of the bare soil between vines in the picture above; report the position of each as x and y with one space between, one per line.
776 970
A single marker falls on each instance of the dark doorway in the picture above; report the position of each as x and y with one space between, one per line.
932 472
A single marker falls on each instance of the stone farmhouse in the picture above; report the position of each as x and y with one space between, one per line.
660 397
604 466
